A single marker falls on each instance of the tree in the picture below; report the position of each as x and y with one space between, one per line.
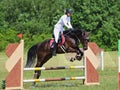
36 18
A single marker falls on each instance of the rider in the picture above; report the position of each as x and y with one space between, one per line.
59 27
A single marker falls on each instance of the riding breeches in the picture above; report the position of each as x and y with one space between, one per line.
56 32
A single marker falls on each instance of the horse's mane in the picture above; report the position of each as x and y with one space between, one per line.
72 31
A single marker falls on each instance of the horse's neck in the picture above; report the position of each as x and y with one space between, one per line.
77 37
71 39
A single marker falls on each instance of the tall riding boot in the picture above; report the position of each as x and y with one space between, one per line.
55 49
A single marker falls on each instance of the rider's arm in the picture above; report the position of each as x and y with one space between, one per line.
67 22
70 26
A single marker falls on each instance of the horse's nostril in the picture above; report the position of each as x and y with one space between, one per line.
85 48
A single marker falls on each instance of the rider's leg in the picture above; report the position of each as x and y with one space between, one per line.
56 35
55 49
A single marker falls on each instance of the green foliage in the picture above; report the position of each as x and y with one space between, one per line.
35 39
36 18
9 36
101 18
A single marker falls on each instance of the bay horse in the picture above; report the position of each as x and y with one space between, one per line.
43 52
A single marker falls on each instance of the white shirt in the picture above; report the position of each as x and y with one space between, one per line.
63 21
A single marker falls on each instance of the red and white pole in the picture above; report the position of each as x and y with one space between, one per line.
118 64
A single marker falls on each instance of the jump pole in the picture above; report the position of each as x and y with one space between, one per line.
118 64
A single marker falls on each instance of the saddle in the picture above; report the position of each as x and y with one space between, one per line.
61 41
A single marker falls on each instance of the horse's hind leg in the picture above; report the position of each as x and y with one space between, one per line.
37 72
36 75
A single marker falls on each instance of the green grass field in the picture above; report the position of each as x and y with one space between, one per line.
108 77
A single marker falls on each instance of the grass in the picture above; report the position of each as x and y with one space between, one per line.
108 77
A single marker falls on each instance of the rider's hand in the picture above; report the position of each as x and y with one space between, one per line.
71 28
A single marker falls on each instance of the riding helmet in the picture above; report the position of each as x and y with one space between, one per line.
68 11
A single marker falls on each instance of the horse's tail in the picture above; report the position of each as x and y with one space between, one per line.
31 55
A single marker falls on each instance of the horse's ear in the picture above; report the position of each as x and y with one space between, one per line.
88 33
85 33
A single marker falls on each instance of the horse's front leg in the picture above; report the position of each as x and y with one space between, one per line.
79 54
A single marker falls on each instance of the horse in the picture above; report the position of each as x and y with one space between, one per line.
43 52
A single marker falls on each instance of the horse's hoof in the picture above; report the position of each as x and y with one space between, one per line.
32 86
78 57
72 59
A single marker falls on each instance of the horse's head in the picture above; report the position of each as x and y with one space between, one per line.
85 39
79 36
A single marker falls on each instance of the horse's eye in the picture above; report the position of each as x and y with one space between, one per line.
87 40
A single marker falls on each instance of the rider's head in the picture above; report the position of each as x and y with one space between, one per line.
68 12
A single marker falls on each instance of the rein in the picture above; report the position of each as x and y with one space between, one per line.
74 35
67 34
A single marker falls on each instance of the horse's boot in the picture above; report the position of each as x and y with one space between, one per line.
55 49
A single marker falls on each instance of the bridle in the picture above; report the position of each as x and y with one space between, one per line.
74 35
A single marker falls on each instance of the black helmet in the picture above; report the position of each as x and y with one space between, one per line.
68 11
